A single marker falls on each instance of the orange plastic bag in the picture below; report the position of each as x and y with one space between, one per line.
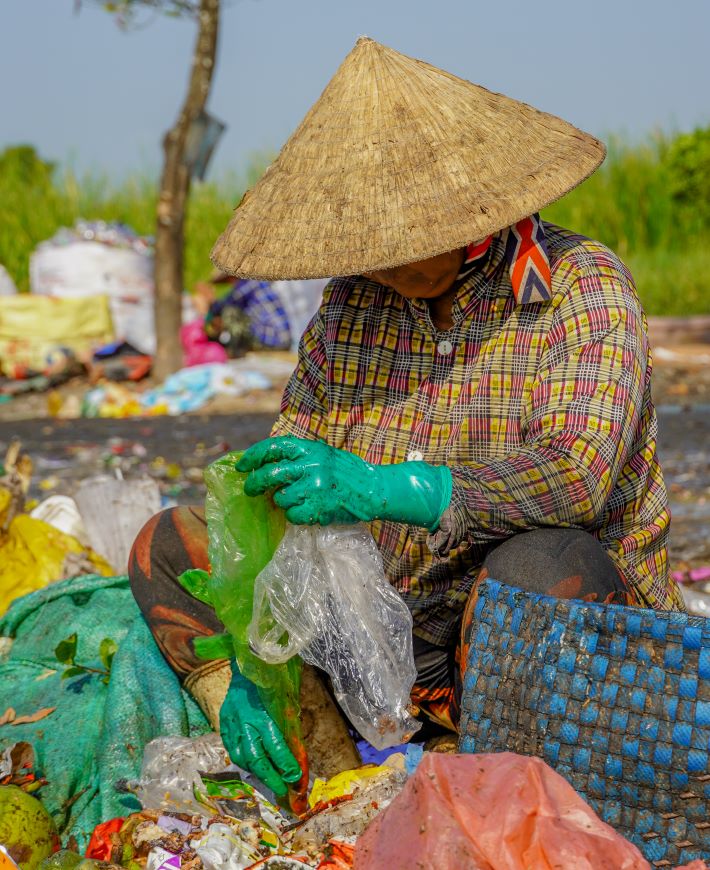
497 811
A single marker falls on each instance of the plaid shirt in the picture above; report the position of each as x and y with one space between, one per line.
538 399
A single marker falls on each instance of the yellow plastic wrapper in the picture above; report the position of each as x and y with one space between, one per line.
34 554
348 780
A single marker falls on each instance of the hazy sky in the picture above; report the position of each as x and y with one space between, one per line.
80 89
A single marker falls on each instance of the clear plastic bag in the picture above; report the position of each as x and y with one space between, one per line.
324 596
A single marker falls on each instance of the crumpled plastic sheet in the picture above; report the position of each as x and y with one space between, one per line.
492 811
325 597
171 771
223 849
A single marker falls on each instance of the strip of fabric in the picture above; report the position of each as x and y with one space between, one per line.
529 262
526 256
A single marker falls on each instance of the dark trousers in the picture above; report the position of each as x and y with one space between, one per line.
566 563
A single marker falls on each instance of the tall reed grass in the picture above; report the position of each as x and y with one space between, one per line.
628 204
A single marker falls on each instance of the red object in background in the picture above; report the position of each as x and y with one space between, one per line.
492 811
100 845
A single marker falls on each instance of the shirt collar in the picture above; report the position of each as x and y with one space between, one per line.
526 257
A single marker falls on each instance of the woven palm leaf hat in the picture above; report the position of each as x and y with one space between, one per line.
396 162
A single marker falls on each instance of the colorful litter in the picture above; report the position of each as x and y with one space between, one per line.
33 552
160 801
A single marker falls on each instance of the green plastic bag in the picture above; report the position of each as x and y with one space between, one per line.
243 534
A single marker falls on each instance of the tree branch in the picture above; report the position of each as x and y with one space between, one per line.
126 10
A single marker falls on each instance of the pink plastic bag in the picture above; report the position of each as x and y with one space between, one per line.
497 811
197 348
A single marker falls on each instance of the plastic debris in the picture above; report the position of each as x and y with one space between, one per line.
189 389
100 845
325 597
222 848
497 810
197 348
155 839
33 329
6 862
348 781
346 815
114 511
32 552
61 512
117 401
17 762
161 859
170 775
101 258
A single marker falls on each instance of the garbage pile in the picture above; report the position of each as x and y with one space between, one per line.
90 285
187 390
38 548
63 537
452 812
95 258
88 738
91 314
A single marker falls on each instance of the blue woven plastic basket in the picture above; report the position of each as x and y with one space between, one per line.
616 699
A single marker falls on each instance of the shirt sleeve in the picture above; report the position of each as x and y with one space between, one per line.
579 422
304 405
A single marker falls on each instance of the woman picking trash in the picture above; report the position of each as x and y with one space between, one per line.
475 387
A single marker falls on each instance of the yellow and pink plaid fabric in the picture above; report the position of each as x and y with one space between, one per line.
538 399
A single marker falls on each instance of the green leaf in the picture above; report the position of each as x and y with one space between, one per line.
218 646
65 650
195 581
73 672
107 651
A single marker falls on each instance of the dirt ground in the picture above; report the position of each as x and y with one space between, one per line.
174 450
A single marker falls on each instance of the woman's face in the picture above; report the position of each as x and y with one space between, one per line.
426 279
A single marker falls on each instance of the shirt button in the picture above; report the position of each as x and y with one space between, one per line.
415 456
445 347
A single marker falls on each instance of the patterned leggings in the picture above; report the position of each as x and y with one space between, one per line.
566 563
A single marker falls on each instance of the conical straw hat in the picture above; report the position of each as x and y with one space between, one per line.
396 162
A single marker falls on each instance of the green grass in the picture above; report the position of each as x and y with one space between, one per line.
630 204
35 205
673 282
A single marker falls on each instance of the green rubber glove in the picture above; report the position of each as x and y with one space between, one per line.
316 483
252 738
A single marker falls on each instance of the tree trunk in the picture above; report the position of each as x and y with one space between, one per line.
173 195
